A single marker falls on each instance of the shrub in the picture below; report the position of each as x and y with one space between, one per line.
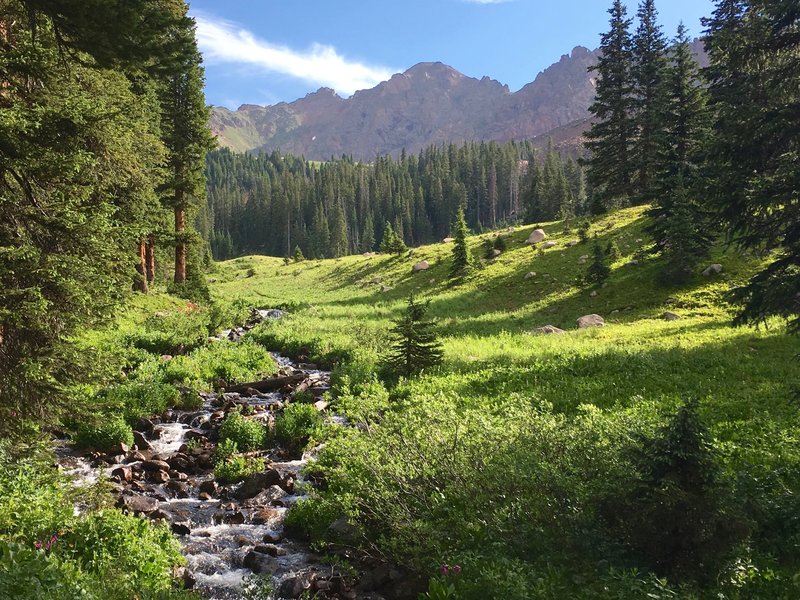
220 363
124 548
296 425
309 518
142 399
105 434
30 574
245 433
237 467
500 243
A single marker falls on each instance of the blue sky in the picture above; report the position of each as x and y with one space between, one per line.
268 51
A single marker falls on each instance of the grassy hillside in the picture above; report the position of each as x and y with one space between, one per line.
499 383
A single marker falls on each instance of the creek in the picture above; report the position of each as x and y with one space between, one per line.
226 531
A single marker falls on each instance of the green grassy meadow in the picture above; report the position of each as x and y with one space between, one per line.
500 390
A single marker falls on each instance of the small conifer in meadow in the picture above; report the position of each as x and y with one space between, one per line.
415 344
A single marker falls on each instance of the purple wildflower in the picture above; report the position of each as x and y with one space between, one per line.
444 569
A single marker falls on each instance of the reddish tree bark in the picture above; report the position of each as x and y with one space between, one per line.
180 243
140 283
150 258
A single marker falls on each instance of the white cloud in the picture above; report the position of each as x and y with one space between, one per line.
224 42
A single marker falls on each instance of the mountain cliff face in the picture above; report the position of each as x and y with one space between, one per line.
430 103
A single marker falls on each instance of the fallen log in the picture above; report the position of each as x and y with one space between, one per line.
267 385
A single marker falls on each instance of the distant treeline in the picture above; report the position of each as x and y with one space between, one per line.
273 204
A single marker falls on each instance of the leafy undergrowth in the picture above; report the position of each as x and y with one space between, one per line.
524 458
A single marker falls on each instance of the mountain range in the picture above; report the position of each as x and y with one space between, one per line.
430 103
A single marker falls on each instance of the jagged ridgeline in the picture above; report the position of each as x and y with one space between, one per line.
273 204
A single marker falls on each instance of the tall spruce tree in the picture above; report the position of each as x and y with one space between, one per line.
184 118
78 160
754 84
610 139
462 262
649 100
680 223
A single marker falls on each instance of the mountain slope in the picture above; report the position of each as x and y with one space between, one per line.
428 103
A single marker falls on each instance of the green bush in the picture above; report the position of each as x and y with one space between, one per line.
219 363
137 399
237 468
309 518
30 574
247 434
296 425
124 548
104 434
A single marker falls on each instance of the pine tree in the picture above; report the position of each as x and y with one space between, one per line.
598 270
685 238
298 254
80 156
184 123
610 138
368 235
391 243
755 150
679 223
462 258
649 99
415 345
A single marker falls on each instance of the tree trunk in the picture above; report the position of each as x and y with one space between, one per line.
180 244
140 282
150 258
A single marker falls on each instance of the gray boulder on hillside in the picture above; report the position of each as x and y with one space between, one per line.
421 266
536 236
593 320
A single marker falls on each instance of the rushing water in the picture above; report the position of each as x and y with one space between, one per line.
216 533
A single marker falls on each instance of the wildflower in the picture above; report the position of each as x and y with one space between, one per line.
444 569
456 570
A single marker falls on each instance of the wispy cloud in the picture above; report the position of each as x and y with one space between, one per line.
225 42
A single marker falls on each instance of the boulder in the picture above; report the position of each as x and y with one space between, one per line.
421 266
293 587
208 487
593 294
448 240
138 504
670 316
258 562
548 245
530 275
256 483
273 496
714 269
548 330
155 465
572 243
140 441
181 528
123 473
270 550
536 236
496 252
590 321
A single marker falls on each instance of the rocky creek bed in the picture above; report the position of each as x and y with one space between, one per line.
228 531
